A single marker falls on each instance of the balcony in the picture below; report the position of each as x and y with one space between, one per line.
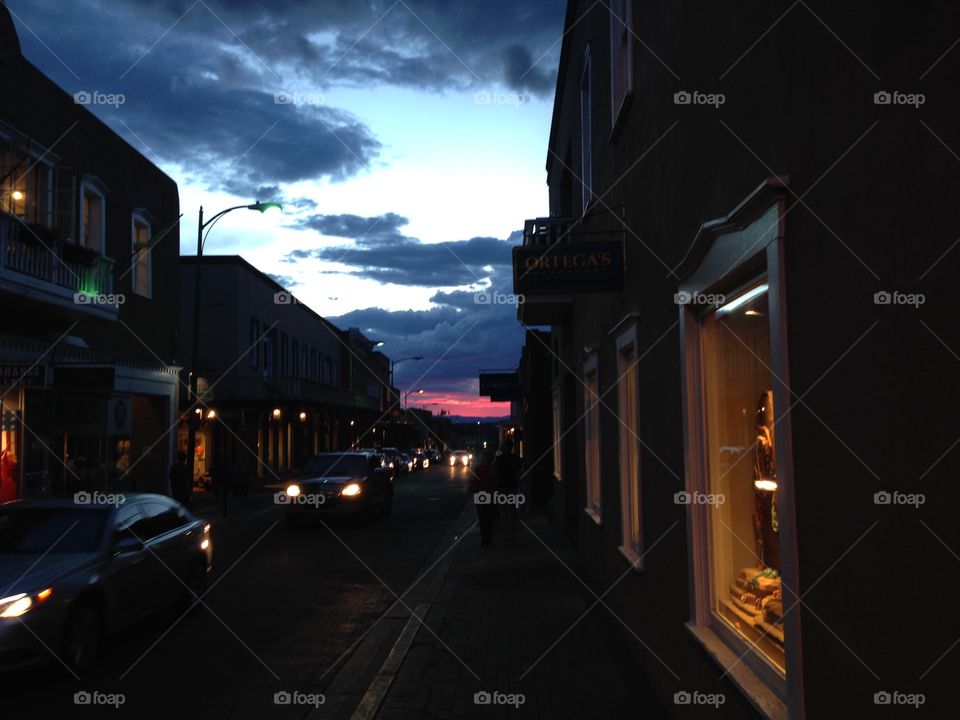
37 266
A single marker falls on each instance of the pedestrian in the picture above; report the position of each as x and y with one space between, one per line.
484 485
507 466
180 485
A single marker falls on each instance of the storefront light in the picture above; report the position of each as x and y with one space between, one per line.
303 417
741 300
211 414
276 413
765 484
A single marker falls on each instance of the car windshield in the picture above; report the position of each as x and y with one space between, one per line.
335 465
51 530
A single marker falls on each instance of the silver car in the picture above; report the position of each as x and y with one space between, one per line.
72 571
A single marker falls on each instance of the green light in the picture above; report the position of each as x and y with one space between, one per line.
264 206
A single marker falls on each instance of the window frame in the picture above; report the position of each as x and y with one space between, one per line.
593 503
557 431
94 187
139 216
621 42
741 248
631 488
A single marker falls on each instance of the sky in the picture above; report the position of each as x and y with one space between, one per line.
406 141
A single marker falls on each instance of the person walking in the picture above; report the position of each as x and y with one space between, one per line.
483 486
180 486
507 466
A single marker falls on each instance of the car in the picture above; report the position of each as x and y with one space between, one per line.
339 483
421 460
392 459
72 571
460 457
405 463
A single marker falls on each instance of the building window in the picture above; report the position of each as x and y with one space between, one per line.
628 392
295 358
557 435
586 134
254 343
591 439
141 257
26 186
621 56
284 367
269 345
92 218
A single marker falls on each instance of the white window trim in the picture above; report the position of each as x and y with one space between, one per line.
593 505
617 27
94 188
141 217
631 489
731 253
586 134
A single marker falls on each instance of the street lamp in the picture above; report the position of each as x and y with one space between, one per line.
195 359
393 363
406 397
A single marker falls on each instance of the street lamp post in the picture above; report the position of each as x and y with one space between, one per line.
406 397
195 352
393 363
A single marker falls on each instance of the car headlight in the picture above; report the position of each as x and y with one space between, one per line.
453 460
293 490
16 605
351 489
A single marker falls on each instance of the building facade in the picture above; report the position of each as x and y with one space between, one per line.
746 275
88 227
279 383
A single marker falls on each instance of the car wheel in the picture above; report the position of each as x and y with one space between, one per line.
196 584
83 637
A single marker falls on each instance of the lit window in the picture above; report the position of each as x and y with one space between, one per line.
629 411
142 258
591 432
92 218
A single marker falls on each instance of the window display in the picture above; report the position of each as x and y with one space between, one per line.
742 473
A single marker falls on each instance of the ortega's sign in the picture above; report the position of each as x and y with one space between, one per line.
568 268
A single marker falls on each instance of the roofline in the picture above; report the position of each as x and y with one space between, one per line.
561 74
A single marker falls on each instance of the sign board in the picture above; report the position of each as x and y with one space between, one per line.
500 387
564 268
22 376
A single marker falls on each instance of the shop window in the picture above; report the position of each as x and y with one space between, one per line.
92 218
591 437
628 391
621 55
142 257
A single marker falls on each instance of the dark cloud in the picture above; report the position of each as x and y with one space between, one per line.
522 72
285 280
381 252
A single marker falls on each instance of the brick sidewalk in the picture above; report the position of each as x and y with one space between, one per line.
495 616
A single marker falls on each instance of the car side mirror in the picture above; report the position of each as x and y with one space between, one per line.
126 543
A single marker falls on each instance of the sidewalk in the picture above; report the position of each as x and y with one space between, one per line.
499 622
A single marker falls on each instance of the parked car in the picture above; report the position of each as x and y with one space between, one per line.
460 457
71 571
340 483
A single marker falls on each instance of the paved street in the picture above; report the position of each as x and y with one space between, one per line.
285 605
